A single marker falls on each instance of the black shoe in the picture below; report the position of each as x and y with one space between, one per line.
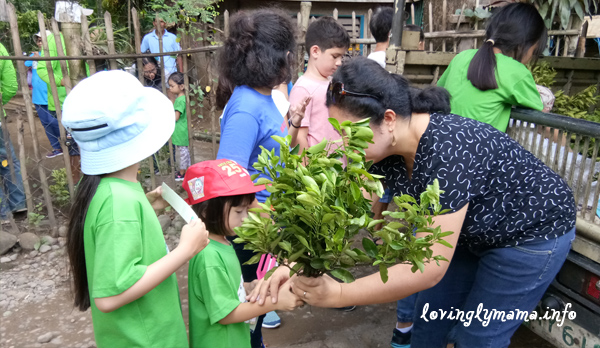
400 340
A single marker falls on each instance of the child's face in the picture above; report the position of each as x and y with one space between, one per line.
236 217
329 60
175 88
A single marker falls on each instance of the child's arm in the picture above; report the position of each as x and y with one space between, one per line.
248 310
194 237
177 115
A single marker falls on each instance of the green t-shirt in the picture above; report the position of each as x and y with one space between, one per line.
180 134
515 87
43 72
215 278
122 236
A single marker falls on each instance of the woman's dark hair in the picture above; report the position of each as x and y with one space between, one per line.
224 92
326 33
381 24
177 77
215 211
390 91
75 247
260 49
514 29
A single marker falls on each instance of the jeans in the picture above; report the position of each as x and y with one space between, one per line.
405 309
501 279
12 194
50 125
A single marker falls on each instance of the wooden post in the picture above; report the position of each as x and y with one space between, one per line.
129 17
335 13
579 52
87 43
444 13
367 31
412 13
226 23
430 24
23 160
58 107
476 24
188 111
73 45
394 54
305 7
213 106
12 14
67 83
567 39
138 44
460 18
354 34
110 40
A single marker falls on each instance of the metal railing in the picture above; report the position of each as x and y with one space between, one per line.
570 147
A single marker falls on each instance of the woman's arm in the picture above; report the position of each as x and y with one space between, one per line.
326 292
194 237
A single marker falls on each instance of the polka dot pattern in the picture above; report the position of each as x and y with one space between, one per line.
513 197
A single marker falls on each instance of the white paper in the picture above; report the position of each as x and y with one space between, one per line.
178 203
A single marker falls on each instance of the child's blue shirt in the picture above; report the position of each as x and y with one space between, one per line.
40 89
249 121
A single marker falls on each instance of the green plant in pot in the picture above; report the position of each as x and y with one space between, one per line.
317 208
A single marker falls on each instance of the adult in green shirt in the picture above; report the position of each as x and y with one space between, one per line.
43 72
486 83
12 196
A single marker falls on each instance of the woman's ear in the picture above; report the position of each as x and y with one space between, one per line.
389 118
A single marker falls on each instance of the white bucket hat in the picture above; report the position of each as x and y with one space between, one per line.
116 121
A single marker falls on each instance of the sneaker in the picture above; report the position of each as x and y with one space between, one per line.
347 309
179 177
400 340
271 320
54 153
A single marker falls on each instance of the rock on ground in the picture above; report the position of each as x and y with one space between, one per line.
165 222
28 240
7 241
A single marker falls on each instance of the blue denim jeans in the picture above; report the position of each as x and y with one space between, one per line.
12 194
50 125
405 309
504 279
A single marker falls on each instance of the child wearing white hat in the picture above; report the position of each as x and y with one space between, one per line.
120 264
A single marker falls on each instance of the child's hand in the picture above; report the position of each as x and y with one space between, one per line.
287 300
156 200
249 286
296 112
194 237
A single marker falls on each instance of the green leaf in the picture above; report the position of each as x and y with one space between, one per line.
318 147
317 263
356 192
383 272
343 275
334 123
285 245
444 243
370 247
254 259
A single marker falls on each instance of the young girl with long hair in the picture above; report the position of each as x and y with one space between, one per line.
486 83
180 137
120 264
220 192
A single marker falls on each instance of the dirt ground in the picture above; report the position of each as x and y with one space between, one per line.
36 307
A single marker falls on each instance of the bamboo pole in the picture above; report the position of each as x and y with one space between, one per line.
129 17
66 82
305 7
460 18
430 24
476 24
444 19
226 23
188 112
29 109
138 46
110 40
213 106
412 13
23 159
367 32
87 43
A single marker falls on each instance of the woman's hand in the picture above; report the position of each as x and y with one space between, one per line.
270 287
287 299
322 291
156 200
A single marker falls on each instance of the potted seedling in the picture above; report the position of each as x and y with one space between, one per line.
317 207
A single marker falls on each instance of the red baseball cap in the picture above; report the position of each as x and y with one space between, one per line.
223 177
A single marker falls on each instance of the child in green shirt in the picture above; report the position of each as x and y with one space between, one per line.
486 83
221 192
120 263
180 135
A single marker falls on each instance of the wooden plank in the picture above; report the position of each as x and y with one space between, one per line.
430 24
188 111
444 14
87 43
12 13
110 40
226 23
138 49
